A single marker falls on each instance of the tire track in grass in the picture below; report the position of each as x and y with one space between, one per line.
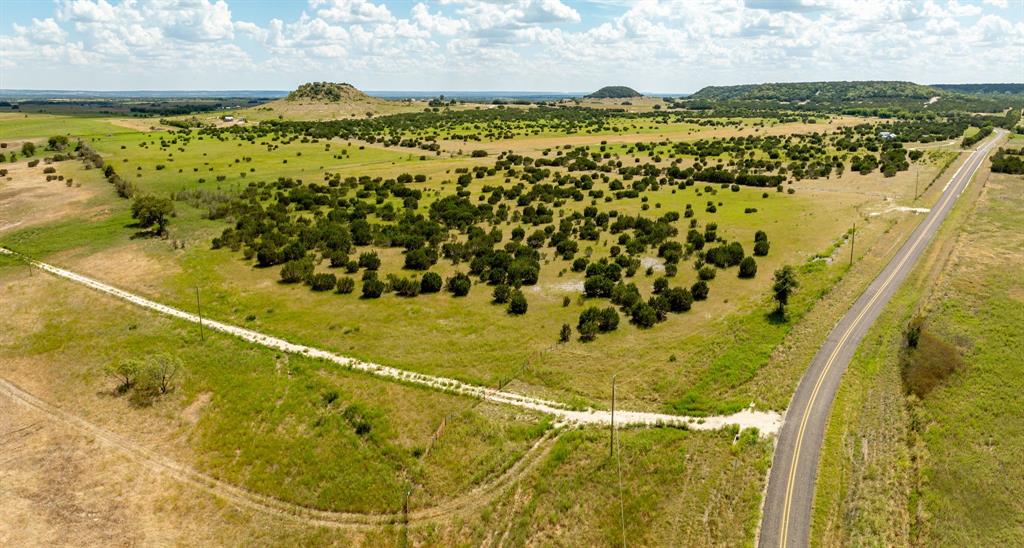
471 501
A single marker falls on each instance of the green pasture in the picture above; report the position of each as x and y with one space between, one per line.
40 126
277 424
673 366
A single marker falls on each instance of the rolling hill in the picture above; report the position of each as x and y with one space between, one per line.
328 101
820 91
615 92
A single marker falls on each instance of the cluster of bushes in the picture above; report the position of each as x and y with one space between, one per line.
511 296
594 320
269 228
977 137
927 360
1008 160
92 159
603 280
644 314
303 270
145 380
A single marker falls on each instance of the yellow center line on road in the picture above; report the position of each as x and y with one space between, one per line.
783 532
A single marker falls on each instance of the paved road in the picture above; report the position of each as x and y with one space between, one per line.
787 508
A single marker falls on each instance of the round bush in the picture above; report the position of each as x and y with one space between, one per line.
373 288
459 284
699 290
517 304
748 267
761 248
323 281
502 294
431 283
345 285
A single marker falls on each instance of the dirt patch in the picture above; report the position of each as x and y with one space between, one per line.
653 263
61 487
125 266
27 198
139 124
195 409
559 287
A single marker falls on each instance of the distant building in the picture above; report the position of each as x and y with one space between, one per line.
886 135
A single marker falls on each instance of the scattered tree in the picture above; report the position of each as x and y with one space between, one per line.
323 281
459 284
502 293
517 304
565 334
345 285
152 212
430 283
785 284
748 267
296 270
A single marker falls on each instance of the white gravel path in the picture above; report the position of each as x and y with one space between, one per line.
766 421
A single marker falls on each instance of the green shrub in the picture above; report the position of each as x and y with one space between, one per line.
430 283
459 284
748 267
502 293
323 281
927 365
699 290
517 303
345 285
296 270
372 288
369 260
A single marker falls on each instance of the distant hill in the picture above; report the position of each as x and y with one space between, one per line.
982 88
327 92
819 91
614 92
327 101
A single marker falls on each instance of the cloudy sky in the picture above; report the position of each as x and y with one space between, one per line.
537 45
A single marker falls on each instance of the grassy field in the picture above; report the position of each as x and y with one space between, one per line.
668 487
277 424
939 469
15 126
312 435
700 362
262 420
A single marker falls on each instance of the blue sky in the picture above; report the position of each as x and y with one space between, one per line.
664 46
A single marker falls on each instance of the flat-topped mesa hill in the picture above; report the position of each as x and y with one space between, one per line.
615 92
327 92
328 101
819 91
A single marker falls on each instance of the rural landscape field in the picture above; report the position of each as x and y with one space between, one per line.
773 314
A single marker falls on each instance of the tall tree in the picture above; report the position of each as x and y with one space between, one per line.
785 284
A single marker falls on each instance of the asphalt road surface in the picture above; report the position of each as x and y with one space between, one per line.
787 507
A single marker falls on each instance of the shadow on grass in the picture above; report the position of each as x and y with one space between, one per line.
776 317
141 233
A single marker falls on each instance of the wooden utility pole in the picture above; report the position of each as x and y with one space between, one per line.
917 179
853 239
199 312
611 447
